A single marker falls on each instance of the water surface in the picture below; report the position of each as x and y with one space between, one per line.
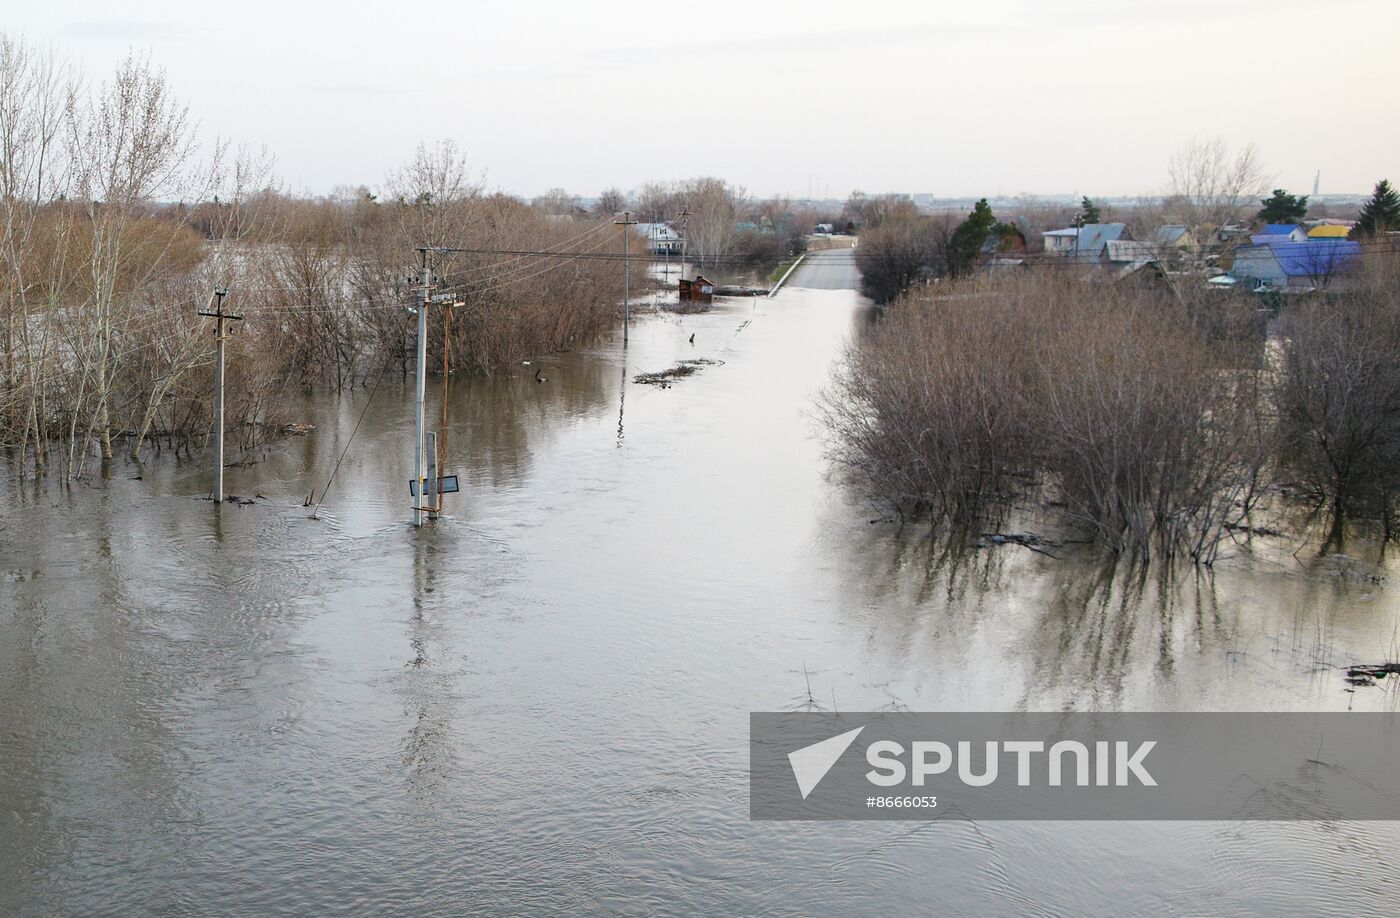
540 702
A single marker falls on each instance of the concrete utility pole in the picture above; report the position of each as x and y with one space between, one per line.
218 315
425 282
685 240
625 221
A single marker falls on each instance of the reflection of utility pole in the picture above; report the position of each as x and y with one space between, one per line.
219 316
625 221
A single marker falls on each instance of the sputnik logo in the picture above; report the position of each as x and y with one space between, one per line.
811 763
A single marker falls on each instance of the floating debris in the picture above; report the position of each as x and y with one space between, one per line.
1035 542
1370 673
664 378
300 429
1262 531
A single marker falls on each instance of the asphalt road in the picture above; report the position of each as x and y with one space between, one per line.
832 269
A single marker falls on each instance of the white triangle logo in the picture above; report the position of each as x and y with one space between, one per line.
811 763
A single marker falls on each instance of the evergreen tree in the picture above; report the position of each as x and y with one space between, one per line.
967 240
1381 214
1282 207
1089 213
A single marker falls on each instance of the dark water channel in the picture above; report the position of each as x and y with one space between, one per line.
540 702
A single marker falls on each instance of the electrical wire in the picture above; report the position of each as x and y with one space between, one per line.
354 430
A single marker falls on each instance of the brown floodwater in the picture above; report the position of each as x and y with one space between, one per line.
539 703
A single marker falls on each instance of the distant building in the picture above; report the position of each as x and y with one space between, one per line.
1284 264
662 238
1088 243
824 229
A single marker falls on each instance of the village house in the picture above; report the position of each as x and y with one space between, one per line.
1297 266
1007 239
1173 244
1330 231
1088 243
1124 251
1173 236
661 238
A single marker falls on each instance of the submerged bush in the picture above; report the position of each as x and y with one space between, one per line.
1110 401
1339 400
927 413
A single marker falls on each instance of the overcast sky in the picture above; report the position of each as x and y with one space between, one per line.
964 98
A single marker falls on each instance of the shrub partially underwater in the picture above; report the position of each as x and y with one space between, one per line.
1135 414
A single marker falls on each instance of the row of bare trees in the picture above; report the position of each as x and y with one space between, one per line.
116 224
1151 419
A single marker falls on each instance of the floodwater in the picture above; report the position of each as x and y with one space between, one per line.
539 703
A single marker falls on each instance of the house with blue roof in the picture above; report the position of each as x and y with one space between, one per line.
1283 264
1088 243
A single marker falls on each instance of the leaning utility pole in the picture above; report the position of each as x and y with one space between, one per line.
218 315
419 497
625 222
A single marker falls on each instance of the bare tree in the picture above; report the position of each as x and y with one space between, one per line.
659 202
35 93
714 207
559 202
611 201
132 144
1211 184
439 191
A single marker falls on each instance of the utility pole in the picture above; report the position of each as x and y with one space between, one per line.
425 283
218 315
625 222
685 240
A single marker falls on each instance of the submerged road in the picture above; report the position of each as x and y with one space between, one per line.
832 269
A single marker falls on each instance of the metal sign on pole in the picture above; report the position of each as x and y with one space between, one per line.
446 484
218 315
